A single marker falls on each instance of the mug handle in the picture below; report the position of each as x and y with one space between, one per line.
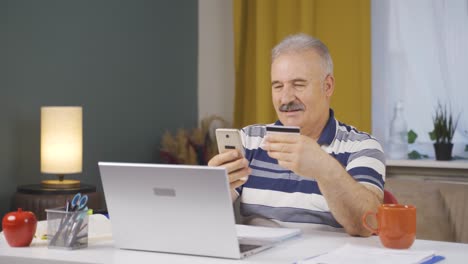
368 227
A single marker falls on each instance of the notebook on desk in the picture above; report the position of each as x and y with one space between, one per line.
179 209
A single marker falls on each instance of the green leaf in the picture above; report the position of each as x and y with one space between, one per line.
444 124
412 136
416 155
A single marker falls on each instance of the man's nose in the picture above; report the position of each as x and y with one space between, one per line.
287 95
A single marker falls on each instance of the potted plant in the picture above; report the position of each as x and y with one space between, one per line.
444 128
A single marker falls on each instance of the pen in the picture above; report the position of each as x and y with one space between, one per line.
71 239
63 229
83 227
64 219
67 206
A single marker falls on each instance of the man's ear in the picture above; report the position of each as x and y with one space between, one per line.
329 85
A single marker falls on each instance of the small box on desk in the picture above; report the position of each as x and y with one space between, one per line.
67 229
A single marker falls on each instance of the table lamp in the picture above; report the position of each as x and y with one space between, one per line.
61 144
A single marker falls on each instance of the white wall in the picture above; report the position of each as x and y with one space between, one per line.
215 59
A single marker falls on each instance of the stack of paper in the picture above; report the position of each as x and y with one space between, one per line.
361 254
250 234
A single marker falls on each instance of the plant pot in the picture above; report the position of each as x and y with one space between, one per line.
443 151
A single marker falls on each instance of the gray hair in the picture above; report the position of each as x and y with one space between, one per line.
302 42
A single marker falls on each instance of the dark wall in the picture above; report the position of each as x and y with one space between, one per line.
131 64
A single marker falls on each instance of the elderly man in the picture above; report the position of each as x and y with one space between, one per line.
329 175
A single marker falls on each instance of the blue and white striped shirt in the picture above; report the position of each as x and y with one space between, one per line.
276 193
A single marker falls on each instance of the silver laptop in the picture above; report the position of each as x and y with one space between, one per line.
173 208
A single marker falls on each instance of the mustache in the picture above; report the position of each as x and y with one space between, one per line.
291 106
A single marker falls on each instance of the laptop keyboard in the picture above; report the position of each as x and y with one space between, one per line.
245 248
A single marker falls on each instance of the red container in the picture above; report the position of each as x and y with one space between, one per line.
19 228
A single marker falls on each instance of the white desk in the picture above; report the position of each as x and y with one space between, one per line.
307 245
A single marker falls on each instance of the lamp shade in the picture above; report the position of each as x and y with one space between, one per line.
61 139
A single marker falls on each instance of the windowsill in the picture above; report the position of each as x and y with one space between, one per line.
429 169
429 163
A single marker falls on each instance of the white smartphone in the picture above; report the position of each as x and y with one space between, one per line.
272 129
229 138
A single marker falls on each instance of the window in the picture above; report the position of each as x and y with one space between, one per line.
420 56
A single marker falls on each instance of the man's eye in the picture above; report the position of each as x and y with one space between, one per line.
276 87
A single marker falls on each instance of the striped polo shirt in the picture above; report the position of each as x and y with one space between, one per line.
278 194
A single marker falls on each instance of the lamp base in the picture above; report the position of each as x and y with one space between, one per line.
57 184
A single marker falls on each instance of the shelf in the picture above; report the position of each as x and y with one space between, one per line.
452 164
454 170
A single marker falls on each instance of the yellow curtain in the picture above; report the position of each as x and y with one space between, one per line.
343 25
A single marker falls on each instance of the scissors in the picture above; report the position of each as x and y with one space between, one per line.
79 202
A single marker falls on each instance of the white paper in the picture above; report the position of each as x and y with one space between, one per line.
361 254
271 234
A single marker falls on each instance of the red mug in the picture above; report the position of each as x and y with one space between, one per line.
396 225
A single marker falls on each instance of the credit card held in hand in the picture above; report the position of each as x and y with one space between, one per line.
270 129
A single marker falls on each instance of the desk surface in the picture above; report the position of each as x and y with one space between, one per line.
310 244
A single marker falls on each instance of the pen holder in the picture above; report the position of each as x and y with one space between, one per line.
67 229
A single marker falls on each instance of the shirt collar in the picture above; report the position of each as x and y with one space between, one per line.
328 132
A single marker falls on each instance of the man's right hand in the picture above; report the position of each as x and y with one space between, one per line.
236 165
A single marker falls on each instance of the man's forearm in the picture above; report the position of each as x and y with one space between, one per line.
347 199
